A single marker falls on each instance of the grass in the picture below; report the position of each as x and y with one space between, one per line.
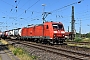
86 40
0 58
78 39
3 41
87 46
19 52
81 40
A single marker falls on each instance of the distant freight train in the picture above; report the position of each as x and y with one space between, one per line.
49 32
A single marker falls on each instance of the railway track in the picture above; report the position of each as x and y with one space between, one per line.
56 50
81 43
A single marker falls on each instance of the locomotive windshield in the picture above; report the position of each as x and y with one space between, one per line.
57 26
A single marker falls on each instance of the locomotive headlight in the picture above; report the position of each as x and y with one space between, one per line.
54 35
63 35
55 31
62 32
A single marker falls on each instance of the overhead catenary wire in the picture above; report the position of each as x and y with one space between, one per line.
7 3
82 13
59 16
25 11
26 3
60 9
18 2
30 7
67 5
12 9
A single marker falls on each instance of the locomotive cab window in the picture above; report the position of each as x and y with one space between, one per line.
57 26
60 26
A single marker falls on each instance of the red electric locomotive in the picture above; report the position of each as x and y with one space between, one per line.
51 32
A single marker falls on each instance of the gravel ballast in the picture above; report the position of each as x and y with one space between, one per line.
43 55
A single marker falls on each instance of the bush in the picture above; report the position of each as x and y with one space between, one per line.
78 39
18 51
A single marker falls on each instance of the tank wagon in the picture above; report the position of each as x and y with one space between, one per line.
12 34
48 32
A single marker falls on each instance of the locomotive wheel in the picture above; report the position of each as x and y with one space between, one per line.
53 41
61 42
57 42
37 41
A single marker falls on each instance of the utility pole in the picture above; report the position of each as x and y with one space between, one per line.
73 23
80 29
68 28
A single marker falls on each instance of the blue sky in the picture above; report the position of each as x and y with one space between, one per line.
20 13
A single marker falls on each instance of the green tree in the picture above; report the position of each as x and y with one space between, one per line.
88 35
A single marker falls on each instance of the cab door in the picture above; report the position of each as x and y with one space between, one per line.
46 31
